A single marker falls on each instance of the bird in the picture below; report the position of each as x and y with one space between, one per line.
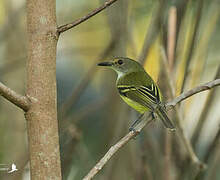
13 168
138 90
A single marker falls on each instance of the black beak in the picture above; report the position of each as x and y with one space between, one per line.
105 64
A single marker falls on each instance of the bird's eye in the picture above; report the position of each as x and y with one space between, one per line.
120 62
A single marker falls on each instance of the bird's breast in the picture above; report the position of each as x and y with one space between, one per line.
138 107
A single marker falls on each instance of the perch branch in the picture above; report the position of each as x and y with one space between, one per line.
132 134
68 26
15 98
115 149
185 95
109 154
204 113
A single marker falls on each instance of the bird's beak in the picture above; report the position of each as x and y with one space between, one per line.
105 64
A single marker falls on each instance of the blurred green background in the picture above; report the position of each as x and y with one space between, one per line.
92 117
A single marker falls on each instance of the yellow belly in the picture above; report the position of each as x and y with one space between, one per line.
138 107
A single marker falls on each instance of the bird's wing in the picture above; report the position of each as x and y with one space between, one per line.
144 95
152 92
148 97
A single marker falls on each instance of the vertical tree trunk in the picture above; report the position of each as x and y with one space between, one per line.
41 88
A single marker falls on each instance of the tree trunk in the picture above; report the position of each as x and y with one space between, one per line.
41 89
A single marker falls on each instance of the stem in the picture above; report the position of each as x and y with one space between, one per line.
68 26
15 98
198 89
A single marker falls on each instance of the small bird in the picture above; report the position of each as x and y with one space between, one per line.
138 89
13 168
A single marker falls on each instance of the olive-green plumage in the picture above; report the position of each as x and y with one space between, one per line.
137 88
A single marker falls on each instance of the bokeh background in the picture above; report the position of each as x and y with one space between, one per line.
92 117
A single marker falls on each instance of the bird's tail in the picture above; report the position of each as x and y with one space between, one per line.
161 112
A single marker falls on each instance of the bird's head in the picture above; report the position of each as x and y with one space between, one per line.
123 65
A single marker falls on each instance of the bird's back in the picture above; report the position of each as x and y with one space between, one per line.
140 78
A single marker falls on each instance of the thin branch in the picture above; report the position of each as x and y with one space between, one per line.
109 154
193 91
205 111
68 26
15 98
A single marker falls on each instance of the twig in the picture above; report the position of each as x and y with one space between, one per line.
15 98
205 112
68 26
109 154
127 138
193 91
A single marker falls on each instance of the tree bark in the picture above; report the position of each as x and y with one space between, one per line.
41 89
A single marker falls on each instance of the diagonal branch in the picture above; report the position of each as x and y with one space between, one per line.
193 91
15 98
123 141
109 154
68 26
132 134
